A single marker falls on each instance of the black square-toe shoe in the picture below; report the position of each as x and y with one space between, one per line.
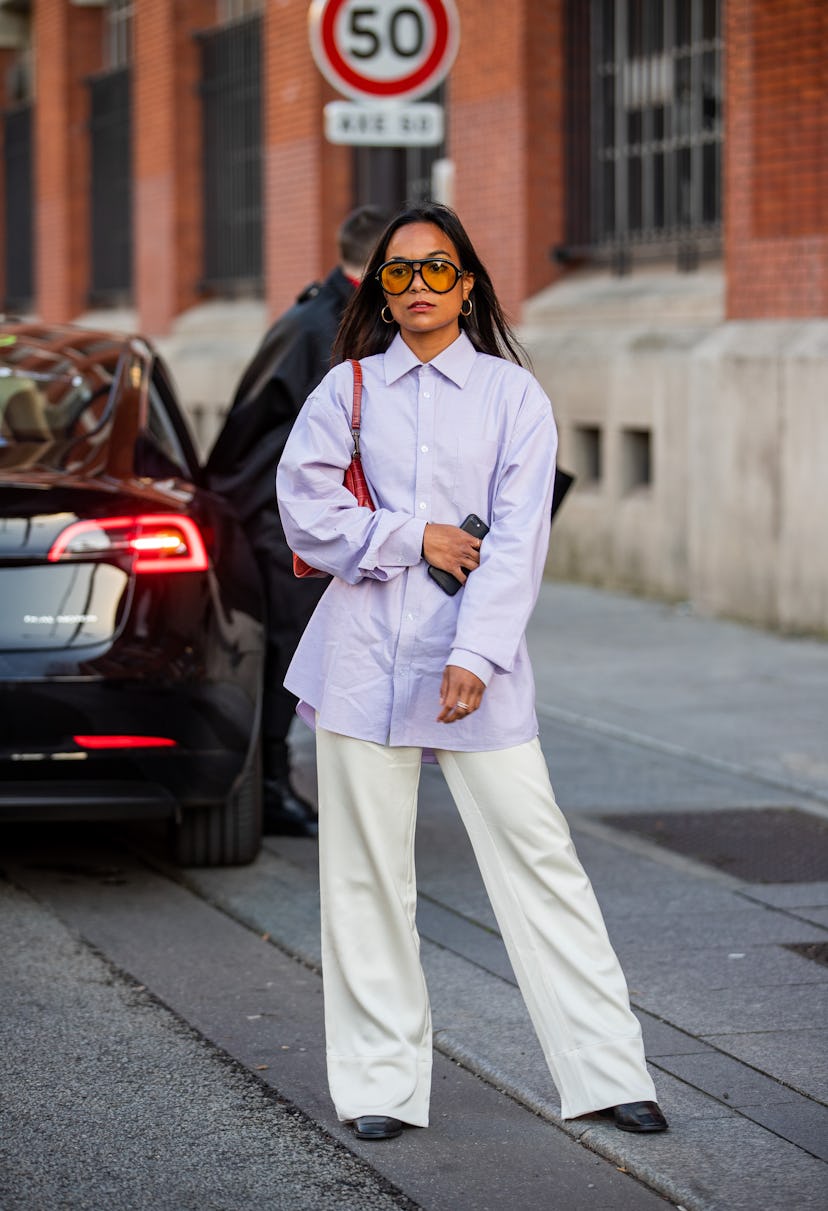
376 1127
638 1116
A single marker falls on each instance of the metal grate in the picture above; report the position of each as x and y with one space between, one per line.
816 951
763 845
232 129
645 123
18 155
110 126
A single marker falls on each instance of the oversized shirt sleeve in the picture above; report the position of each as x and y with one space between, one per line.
321 519
499 596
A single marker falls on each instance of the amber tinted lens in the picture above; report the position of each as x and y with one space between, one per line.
440 276
396 276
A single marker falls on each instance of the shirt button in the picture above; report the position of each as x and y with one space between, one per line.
422 504
410 617
424 449
426 395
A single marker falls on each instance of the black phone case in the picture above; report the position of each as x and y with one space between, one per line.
448 583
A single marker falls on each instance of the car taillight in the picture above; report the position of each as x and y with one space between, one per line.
96 742
157 542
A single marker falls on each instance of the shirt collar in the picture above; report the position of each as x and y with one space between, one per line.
454 363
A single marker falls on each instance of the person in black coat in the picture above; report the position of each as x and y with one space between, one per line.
291 361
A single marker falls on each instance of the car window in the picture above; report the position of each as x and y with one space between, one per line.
45 407
159 452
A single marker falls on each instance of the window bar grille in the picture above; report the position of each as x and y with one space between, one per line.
671 181
110 138
18 153
232 151
645 137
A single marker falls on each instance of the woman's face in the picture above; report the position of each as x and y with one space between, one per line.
428 320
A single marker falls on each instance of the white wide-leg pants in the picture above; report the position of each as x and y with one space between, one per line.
377 1014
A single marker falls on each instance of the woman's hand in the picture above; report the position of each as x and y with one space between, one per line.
461 692
452 549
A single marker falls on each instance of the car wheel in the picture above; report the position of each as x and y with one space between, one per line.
227 834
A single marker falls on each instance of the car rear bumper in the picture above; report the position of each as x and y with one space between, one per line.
140 784
84 800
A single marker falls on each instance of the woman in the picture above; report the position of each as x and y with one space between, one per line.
391 667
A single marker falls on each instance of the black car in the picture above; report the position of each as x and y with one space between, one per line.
131 620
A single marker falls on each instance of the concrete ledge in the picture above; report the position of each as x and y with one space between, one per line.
700 445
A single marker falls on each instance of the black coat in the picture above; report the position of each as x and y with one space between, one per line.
293 358
291 361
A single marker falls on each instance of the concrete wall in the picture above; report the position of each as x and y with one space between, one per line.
735 416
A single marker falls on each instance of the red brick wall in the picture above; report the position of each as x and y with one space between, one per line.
307 187
69 48
546 152
167 158
506 139
776 166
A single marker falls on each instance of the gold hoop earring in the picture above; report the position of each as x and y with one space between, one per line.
389 319
466 302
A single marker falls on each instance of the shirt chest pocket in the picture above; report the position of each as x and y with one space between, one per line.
475 474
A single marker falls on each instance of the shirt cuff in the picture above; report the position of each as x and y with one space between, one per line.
401 549
409 542
479 665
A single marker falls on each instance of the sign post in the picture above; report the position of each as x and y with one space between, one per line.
384 54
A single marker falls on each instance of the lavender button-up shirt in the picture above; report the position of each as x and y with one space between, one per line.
464 433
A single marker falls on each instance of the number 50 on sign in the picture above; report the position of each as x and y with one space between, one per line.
384 50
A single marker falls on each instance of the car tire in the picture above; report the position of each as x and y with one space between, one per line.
225 834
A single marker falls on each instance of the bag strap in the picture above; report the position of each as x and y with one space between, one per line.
356 411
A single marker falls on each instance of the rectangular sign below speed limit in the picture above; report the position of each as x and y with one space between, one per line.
385 124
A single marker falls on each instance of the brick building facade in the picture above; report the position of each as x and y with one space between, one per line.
776 203
645 179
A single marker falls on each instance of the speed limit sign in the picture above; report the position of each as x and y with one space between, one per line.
384 50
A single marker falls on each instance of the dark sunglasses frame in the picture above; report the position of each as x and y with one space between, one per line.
417 266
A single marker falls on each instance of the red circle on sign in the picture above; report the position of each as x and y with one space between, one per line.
386 88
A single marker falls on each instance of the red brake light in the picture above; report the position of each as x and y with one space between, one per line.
157 542
124 742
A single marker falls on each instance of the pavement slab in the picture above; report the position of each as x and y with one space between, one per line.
798 1058
610 775
715 969
790 895
730 1010
725 694
717 1074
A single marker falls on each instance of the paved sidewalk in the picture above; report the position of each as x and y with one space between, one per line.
736 698
691 757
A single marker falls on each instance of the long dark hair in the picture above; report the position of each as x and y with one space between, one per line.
363 331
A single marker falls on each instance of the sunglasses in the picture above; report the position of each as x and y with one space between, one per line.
439 275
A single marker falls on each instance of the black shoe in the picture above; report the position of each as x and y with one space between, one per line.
376 1127
284 812
637 1116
